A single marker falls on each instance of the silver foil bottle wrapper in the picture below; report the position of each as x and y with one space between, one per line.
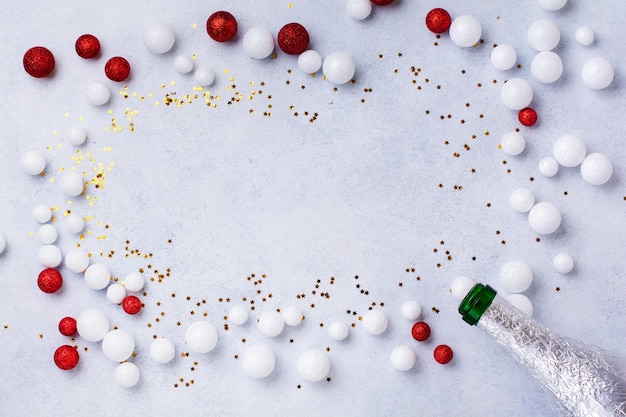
585 380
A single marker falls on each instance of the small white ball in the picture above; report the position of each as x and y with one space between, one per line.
544 35
3 243
552 5
465 31
411 310
569 150
596 169
238 314
585 36
516 276
516 94
162 350
33 162
271 323
92 325
183 64
522 200
503 57
77 136
548 166
47 234
546 67
461 286
134 282
310 61
292 315
359 9
97 93
258 361
338 330
403 358
42 213
258 42
204 76
513 143
126 374
118 345
77 260
597 73
375 322
563 263
201 337
544 218
50 256
522 303
74 223
116 293
158 38
97 276
313 365
72 184
339 67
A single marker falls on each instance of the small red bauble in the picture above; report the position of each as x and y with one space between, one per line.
527 116
443 354
420 331
438 20
293 38
67 326
66 357
131 304
221 26
87 46
382 2
49 280
117 69
38 62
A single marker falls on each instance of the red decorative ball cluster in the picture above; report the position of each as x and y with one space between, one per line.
87 46
221 26
382 2
117 69
38 62
438 20
49 280
527 116
293 39
131 304
420 331
67 326
66 357
443 354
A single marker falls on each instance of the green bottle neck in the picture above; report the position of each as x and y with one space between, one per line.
476 302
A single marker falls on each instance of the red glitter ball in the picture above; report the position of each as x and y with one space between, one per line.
131 304
293 38
117 69
527 116
443 354
49 280
67 326
221 26
38 62
87 46
420 331
66 357
438 20
382 2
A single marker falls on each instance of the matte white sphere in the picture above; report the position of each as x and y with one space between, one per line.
72 184
522 200
126 374
258 42
359 9
292 315
465 31
118 345
162 350
183 64
97 276
33 162
3 243
552 5
516 94
516 276
544 35
313 365
597 73
513 143
158 38
596 169
338 330
258 361
503 57
403 358
522 303
339 67
42 213
74 223
271 323
461 286
375 321
548 166
411 310
563 263
134 282
92 325
97 93
50 256
77 260
546 67
116 293
204 76
569 150
544 218
77 136
310 61
201 337
47 234
585 35
238 314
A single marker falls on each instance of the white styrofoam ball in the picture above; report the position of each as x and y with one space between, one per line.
183 64
126 374
313 365
72 184
238 314
411 310
97 276
465 31
271 323
544 35
596 169
359 9
3 243
162 350
544 218
116 293
292 315
42 213
375 321
585 35
74 223
50 256
158 38
258 42
569 150
548 166
47 234
338 330
310 61
77 136
339 67
522 303
516 94
97 93
204 76
134 282
503 57
118 345
461 286
516 276
513 143
546 67
522 199
258 361
563 263
597 73
403 358
201 336
92 325
33 162
77 260
552 5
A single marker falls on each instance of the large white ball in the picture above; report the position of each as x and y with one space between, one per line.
310 61
313 365
201 337
33 162
271 323
134 282
77 260
97 276
461 286
516 276
465 31
516 94
50 256
375 322
118 345
522 303
292 315
359 9
503 57
544 218
338 330
126 374
513 143
546 67
47 234
162 350
238 314
72 184
158 38
116 293
97 93
411 310
544 35
596 169
258 42
403 358
522 199
569 150
92 325
597 73
552 5
74 223
339 67
258 361
563 263
548 166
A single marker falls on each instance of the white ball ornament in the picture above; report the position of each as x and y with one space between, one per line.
258 43
513 143
50 256
548 166
585 36
92 325
544 218
411 310
310 61
552 5
97 93
116 293
3 243
544 35
118 345
563 263
201 337
258 361
546 67
271 323
516 94
292 315
77 136
33 162
596 169
403 358
461 286
126 374
522 200
359 9
338 330
238 314
162 350
375 322
158 38
313 365
134 282
74 223
503 57
465 31
597 73
72 184
183 64
42 213
569 150
77 260
204 76
516 276
97 276
522 303
339 67
47 234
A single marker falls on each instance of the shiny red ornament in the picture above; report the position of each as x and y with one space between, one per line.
49 280
38 62
67 326
117 69
66 357
382 2
438 20
131 304
293 38
221 26
443 354
527 116
420 331
87 46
